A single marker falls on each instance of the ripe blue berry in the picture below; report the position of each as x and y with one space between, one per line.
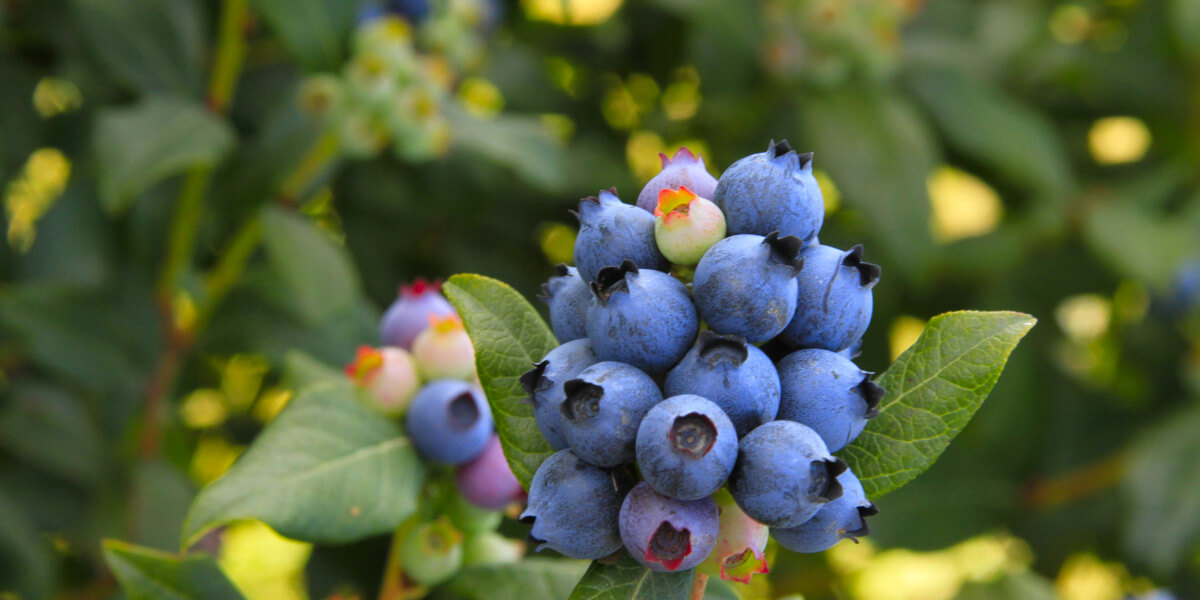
544 384
666 534
828 393
449 422
602 411
835 299
641 317
611 232
772 191
746 285
409 314
784 474
684 169
734 375
568 296
487 481
686 447
574 507
845 517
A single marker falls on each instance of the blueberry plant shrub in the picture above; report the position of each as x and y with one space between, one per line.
694 394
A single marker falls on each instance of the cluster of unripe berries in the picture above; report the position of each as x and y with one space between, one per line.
395 87
425 374
668 384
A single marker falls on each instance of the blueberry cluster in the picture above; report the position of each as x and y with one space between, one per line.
669 383
425 372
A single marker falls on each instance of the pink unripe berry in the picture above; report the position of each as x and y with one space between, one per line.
741 544
686 225
487 481
390 376
684 169
443 350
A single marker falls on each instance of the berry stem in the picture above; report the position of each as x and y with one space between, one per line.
395 586
698 586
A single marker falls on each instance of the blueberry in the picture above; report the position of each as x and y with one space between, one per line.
574 507
409 314
784 474
736 376
746 285
829 394
568 296
641 317
544 384
843 518
666 534
611 232
449 422
772 191
684 169
487 481
686 447
740 553
835 299
602 411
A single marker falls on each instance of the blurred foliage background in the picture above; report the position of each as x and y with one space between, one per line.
187 198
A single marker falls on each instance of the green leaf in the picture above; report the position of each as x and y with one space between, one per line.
139 146
520 143
879 152
314 31
318 274
1184 23
933 390
301 370
153 575
987 125
1161 241
327 470
154 45
509 337
1019 586
1161 474
531 579
626 579
27 566
37 414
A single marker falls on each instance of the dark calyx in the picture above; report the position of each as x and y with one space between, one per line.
868 273
611 280
532 381
693 435
871 393
583 399
716 348
669 546
823 482
785 250
464 413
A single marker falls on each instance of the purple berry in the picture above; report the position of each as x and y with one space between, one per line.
611 232
449 422
734 375
641 317
666 534
603 407
574 507
829 394
544 384
568 296
684 169
746 285
487 481
686 447
409 314
772 191
784 474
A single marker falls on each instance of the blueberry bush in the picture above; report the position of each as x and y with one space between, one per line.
227 369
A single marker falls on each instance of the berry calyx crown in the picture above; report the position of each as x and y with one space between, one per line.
782 154
715 347
421 286
868 273
785 251
366 364
674 204
682 156
587 205
611 280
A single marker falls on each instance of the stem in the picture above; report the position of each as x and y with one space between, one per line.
395 585
229 268
698 585
1068 487
322 154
